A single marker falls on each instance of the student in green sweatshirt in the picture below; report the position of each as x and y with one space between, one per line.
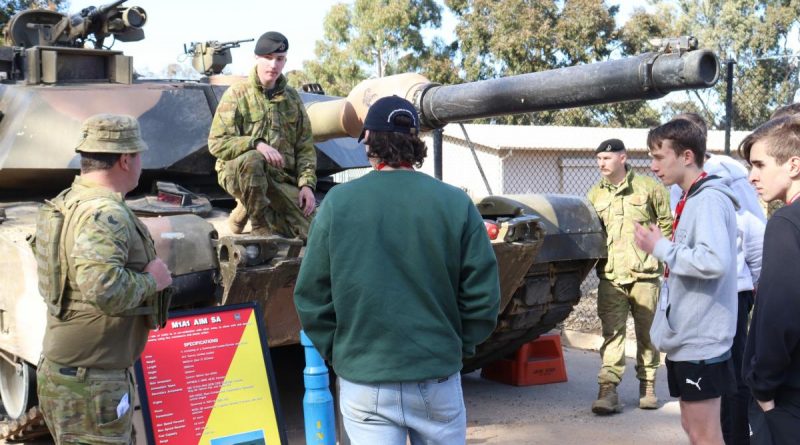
398 284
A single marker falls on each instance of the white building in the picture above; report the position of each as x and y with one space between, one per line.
539 159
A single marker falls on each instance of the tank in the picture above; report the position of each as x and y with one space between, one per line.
56 73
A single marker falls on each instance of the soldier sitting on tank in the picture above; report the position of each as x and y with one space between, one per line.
629 278
100 317
261 137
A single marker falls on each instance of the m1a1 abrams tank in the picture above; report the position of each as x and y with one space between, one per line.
56 73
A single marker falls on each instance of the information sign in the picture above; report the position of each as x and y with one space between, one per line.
206 379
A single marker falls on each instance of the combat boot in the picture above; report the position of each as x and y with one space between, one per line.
238 218
647 395
259 226
260 231
607 400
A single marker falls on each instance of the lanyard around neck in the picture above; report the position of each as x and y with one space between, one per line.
679 211
382 165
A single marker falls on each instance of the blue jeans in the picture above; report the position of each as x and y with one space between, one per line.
429 412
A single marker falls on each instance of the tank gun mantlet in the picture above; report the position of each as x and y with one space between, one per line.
211 57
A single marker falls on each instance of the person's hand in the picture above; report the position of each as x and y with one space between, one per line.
306 200
769 405
273 156
159 270
646 237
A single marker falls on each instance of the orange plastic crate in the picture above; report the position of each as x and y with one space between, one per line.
535 363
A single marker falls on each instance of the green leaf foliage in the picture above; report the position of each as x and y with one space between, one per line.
375 38
509 37
754 34
498 38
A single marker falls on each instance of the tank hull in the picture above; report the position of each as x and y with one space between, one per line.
547 244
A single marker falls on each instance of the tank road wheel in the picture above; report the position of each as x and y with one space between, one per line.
17 387
546 298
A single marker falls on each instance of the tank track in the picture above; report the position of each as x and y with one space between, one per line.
29 426
545 299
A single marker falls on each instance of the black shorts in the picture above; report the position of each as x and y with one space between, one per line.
693 382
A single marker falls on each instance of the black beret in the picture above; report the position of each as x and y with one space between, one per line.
610 146
271 42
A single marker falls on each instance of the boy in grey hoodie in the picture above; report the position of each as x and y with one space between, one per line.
695 320
750 222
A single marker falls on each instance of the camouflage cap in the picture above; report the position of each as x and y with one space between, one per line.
111 133
271 42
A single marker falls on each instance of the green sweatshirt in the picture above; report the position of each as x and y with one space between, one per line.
399 279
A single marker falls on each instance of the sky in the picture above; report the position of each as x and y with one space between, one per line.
170 24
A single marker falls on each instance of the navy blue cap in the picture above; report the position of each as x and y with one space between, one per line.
610 146
271 42
382 116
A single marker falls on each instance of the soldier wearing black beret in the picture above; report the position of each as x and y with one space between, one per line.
610 146
261 137
629 278
271 42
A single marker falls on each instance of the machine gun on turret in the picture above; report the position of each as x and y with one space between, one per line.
42 27
211 57
43 46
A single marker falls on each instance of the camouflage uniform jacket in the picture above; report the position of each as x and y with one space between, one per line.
639 199
247 114
107 249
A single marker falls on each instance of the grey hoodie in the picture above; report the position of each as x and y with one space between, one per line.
696 317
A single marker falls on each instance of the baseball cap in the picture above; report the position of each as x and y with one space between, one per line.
110 133
610 146
382 116
271 42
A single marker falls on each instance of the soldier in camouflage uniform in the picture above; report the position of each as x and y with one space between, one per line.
96 333
261 137
629 278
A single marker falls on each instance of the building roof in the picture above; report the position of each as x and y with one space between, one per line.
532 137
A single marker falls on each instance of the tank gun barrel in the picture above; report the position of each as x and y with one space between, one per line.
646 76
222 46
91 12
90 18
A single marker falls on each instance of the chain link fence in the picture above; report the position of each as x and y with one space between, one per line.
576 174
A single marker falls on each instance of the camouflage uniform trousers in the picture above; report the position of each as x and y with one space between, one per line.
267 194
82 408
614 302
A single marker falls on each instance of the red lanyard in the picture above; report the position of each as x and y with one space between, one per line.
793 199
679 211
382 165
